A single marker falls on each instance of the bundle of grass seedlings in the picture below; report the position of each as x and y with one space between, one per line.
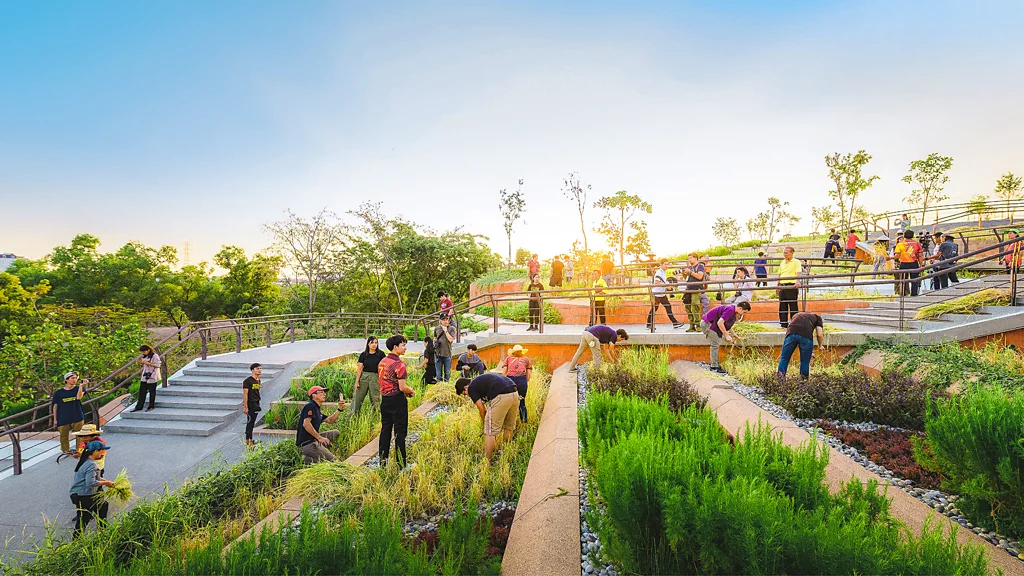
969 304
121 491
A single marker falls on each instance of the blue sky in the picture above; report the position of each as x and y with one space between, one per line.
168 122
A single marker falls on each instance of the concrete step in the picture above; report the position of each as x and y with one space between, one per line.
202 392
196 403
870 320
243 365
223 382
182 414
234 373
908 304
879 312
169 427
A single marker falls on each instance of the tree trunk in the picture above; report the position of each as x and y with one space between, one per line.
583 228
509 249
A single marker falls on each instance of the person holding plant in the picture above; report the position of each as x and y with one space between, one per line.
150 362
366 376
535 301
496 398
444 337
394 401
312 444
427 365
595 339
68 414
87 434
518 367
717 325
802 328
86 487
251 401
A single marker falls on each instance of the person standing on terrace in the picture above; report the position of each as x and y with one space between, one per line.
568 270
1013 259
788 286
251 401
761 269
533 266
802 329
68 414
944 252
496 398
597 314
556 273
595 339
535 301
607 269
851 244
910 256
695 276
902 223
705 302
444 303
394 400
444 337
659 290
366 376
717 325
150 362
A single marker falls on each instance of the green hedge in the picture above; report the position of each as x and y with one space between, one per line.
520 312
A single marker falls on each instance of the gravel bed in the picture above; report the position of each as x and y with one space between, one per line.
593 560
939 501
427 523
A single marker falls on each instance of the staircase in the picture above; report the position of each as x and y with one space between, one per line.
887 314
198 401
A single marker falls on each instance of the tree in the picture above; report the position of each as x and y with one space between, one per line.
775 217
825 217
621 208
251 283
757 227
929 175
512 206
726 230
979 205
846 174
18 305
376 226
306 246
522 256
639 243
1008 188
575 190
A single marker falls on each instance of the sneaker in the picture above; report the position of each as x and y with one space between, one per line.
691 329
135 409
677 326
719 370
574 370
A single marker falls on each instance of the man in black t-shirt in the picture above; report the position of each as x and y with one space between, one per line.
312 444
251 400
800 334
497 399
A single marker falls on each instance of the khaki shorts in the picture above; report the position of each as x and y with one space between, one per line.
502 414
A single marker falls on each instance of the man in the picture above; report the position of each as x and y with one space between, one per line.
833 235
597 313
659 291
705 302
311 443
695 276
801 329
556 273
496 399
533 265
394 399
910 256
444 336
444 303
761 269
150 362
717 324
944 251
251 400
470 364
788 286
68 414
851 244
595 338
607 269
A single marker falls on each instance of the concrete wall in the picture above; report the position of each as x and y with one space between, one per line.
621 311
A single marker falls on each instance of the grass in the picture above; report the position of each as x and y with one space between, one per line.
490 279
520 312
969 304
644 371
941 365
121 491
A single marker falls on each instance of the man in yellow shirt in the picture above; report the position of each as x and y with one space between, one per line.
789 286
597 314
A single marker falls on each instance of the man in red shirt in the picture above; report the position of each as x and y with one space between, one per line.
851 244
533 265
445 303
394 399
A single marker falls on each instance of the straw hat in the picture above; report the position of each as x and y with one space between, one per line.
88 430
518 350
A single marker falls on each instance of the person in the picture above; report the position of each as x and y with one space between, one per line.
444 303
802 328
427 365
251 400
880 249
568 270
394 400
535 301
312 444
944 253
150 362
902 223
761 269
660 292
910 256
607 269
470 363
951 275
1014 256
851 244
705 302
695 277
444 336
832 245
788 286
87 434
926 244
930 255
518 367
533 265
595 338
86 487
744 287
597 313
717 324
496 398
556 273
68 414
833 235
366 376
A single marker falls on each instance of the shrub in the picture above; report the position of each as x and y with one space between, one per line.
520 312
644 372
944 364
493 277
976 441
282 416
886 447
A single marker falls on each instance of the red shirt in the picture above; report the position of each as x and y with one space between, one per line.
446 304
518 365
390 370
851 241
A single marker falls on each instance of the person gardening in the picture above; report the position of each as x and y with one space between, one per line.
87 434
470 364
518 367
251 400
802 328
496 398
312 444
86 487
394 400
68 414
366 376
595 339
717 325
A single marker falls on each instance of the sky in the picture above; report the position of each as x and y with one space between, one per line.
198 122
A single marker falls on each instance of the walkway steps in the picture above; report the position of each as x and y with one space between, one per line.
195 414
173 427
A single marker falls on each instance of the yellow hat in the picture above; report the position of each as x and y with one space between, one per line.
88 430
518 350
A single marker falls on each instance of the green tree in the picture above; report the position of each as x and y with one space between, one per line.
849 181
726 230
757 227
1008 188
251 283
307 247
775 217
825 217
195 295
979 206
929 175
17 305
512 205
620 210
522 256
638 244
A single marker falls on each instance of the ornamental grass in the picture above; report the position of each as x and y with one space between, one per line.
969 304
644 371
121 491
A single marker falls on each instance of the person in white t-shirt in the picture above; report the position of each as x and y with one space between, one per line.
660 290
744 287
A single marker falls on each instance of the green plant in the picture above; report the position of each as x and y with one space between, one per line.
947 363
520 312
969 304
644 371
282 416
494 277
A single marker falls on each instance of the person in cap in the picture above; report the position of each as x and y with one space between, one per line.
68 414
394 399
312 444
598 339
444 337
496 398
86 486
518 367
251 400
87 434
945 251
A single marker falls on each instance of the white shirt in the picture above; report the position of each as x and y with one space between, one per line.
659 282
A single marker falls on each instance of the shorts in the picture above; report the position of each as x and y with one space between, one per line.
502 414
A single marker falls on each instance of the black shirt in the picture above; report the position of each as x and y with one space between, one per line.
692 282
803 324
311 412
253 386
371 361
489 386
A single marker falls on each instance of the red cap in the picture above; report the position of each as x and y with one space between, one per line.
316 389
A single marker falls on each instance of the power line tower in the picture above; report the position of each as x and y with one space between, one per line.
186 253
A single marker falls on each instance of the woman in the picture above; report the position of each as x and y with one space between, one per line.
366 376
518 367
151 376
87 486
430 376
535 302
880 249
744 287
568 271
87 435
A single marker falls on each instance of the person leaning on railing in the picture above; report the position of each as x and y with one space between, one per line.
788 286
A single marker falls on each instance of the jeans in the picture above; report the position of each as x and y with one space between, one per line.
788 305
522 385
250 420
915 287
789 345
367 384
87 508
597 315
714 338
851 253
879 265
661 301
443 368
146 388
394 416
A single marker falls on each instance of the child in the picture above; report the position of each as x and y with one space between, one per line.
87 434
87 485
